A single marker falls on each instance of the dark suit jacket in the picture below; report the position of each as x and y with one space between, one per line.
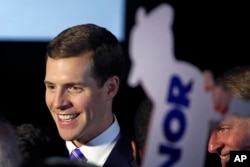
122 153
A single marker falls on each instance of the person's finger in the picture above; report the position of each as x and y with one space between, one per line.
209 81
221 99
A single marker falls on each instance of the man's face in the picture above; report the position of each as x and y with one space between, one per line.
74 99
232 133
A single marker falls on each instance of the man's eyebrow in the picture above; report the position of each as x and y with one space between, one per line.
67 84
74 83
47 82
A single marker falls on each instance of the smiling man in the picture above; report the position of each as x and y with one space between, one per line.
83 73
232 133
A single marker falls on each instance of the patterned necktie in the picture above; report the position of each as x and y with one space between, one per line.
76 154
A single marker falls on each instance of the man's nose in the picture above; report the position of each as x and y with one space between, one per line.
214 144
61 100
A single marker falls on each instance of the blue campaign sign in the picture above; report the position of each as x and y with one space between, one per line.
183 109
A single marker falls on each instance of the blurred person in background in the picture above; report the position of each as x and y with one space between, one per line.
37 143
10 155
141 122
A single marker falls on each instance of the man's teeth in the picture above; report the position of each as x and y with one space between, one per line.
225 156
67 117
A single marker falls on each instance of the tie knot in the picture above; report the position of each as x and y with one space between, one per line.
76 154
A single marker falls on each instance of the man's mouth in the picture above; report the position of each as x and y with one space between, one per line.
225 157
67 117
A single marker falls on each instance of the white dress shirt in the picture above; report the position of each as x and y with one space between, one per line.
98 149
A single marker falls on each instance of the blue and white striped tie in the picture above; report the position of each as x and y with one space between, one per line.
76 154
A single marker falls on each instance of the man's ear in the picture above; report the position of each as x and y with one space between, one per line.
136 152
134 148
112 86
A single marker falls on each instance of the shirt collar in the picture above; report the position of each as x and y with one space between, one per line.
102 144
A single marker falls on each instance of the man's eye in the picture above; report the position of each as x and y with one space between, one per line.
76 89
50 87
223 129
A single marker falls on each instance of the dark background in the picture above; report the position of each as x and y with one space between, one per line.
210 35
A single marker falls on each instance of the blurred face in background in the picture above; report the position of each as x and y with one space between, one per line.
230 134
